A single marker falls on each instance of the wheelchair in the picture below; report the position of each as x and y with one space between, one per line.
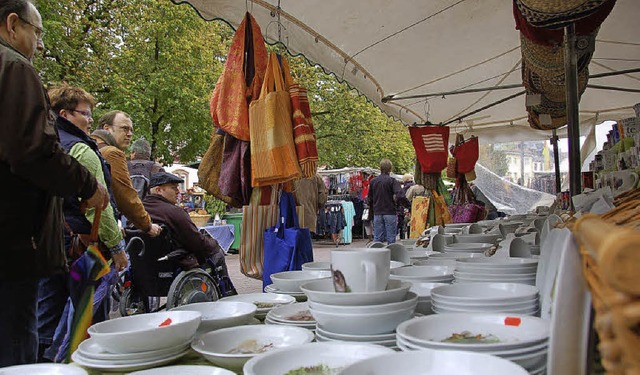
154 272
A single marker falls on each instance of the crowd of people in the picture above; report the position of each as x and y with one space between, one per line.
57 174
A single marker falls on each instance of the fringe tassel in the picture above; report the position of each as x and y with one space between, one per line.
309 168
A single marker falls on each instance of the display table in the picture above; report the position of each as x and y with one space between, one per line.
224 234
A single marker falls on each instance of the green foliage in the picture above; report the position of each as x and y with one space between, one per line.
159 62
214 205
494 159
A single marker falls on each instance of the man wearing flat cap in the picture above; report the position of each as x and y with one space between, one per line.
161 205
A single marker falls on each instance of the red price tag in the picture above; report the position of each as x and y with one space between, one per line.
512 321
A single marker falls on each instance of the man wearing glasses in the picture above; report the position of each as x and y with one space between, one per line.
113 136
35 172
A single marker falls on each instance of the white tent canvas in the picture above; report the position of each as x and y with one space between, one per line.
417 47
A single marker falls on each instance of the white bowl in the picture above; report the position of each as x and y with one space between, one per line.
139 333
290 281
439 309
317 266
485 292
435 262
333 355
359 338
322 291
512 331
291 314
434 362
43 369
221 314
475 238
184 370
396 264
423 273
216 346
410 299
362 323
423 290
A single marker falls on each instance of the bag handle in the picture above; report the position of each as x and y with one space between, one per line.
272 76
288 217
286 72
93 237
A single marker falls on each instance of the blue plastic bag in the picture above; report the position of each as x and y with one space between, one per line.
286 246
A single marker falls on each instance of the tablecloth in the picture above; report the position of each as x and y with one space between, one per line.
224 234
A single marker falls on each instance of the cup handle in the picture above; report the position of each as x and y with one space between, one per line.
371 275
634 178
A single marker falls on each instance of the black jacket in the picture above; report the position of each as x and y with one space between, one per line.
34 173
384 191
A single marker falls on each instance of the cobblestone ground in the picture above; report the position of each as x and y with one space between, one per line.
244 284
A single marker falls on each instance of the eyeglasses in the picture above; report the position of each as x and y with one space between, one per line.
125 129
39 30
86 114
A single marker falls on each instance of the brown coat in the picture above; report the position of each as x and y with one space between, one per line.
34 173
311 194
126 196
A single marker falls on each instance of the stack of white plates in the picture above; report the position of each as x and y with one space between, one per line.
433 274
520 339
466 247
299 296
510 270
90 354
423 290
264 301
384 339
485 297
296 314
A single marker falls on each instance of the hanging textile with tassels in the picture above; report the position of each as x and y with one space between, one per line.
304 135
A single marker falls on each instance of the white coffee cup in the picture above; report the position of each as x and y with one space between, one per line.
623 180
360 270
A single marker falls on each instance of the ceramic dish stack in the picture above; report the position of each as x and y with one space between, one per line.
523 340
263 301
432 274
137 342
446 259
423 290
483 270
221 314
296 315
366 317
485 298
466 247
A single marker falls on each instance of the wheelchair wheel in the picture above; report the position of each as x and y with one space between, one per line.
131 304
192 286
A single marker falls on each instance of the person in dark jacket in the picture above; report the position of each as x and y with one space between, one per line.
35 173
384 192
140 163
403 205
161 205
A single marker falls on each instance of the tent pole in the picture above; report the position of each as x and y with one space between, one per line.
556 159
573 119
390 98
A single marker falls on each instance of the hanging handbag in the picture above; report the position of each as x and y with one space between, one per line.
430 144
287 246
419 211
466 155
240 81
464 208
451 168
273 154
255 219
210 167
235 172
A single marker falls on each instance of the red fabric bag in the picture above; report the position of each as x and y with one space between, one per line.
430 143
466 155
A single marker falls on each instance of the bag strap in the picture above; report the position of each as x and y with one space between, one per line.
272 77
288 217
96 225
286 72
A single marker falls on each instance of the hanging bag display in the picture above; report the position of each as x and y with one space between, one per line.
273 154
466 155
304 135
235 172
255 219
240 81
464 208
209 169
287 246
430 144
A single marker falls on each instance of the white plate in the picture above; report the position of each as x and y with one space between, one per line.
268 320
434 362
512 330
107 366
43 369
388 343
332 354
283 313
468 247
570 314
557 242
90 349
360 338
184 370
485 292
269 298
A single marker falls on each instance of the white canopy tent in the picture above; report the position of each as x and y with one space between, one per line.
416 47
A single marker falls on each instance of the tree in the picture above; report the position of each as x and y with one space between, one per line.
154 60
494 159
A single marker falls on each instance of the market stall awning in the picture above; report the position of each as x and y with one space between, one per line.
416 47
